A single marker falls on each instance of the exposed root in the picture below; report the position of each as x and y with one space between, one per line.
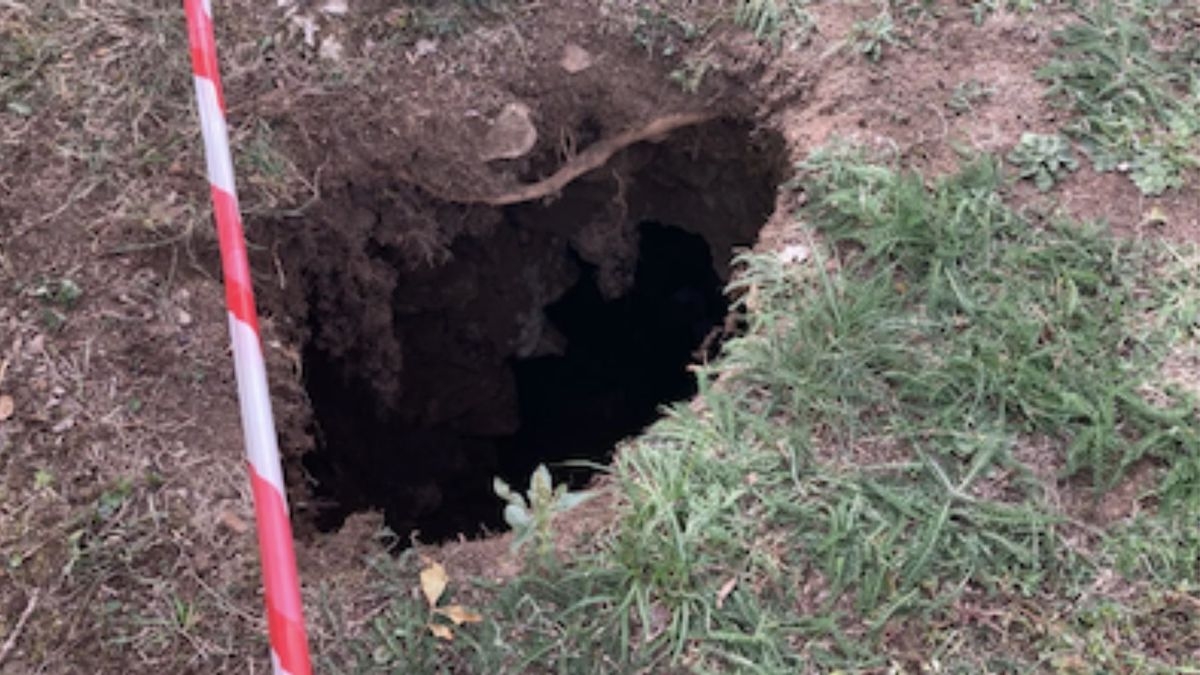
593 157
596 156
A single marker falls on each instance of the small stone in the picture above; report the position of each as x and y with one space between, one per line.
335 7
7 407
425 47
575 59
184 317
331 49
794 253
512 134
308 27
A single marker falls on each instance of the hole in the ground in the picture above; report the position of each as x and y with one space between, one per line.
623 358
549 334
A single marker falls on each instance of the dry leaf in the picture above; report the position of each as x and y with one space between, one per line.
459 614
1155 216
7 406
433 582
231 521
441 631
725 590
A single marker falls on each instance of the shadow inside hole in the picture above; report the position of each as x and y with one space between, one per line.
616 320
624 357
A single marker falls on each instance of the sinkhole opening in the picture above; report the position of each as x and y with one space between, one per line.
542 333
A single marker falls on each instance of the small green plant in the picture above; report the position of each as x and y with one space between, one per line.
443 19
63 292
691 74
872 36
42 479
1044 159
982 8
58 296
110 502
531 516
1136 104
967 94
769 20
661 33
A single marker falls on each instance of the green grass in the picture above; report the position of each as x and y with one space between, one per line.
773 20
1043 159
872 37
859 484
1133 79
967 94
662 33
981 9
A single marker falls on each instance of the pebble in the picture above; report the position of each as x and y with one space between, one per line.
575 59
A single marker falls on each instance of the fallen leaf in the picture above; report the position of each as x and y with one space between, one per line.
459 614
231 521
433 582
1155 216
441 631
725 590
7 406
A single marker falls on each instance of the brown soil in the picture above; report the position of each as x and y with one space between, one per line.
388 220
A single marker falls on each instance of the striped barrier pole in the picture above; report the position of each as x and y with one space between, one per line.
285 620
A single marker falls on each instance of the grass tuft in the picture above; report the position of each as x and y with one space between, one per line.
772 20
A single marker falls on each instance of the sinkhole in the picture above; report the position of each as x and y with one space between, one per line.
449 344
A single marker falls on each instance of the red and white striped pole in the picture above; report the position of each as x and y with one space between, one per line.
285 620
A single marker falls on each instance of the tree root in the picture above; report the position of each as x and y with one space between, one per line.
593 157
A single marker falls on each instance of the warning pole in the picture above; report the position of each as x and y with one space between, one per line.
285 620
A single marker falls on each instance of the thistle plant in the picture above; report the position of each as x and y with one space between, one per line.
531 516
1044 159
